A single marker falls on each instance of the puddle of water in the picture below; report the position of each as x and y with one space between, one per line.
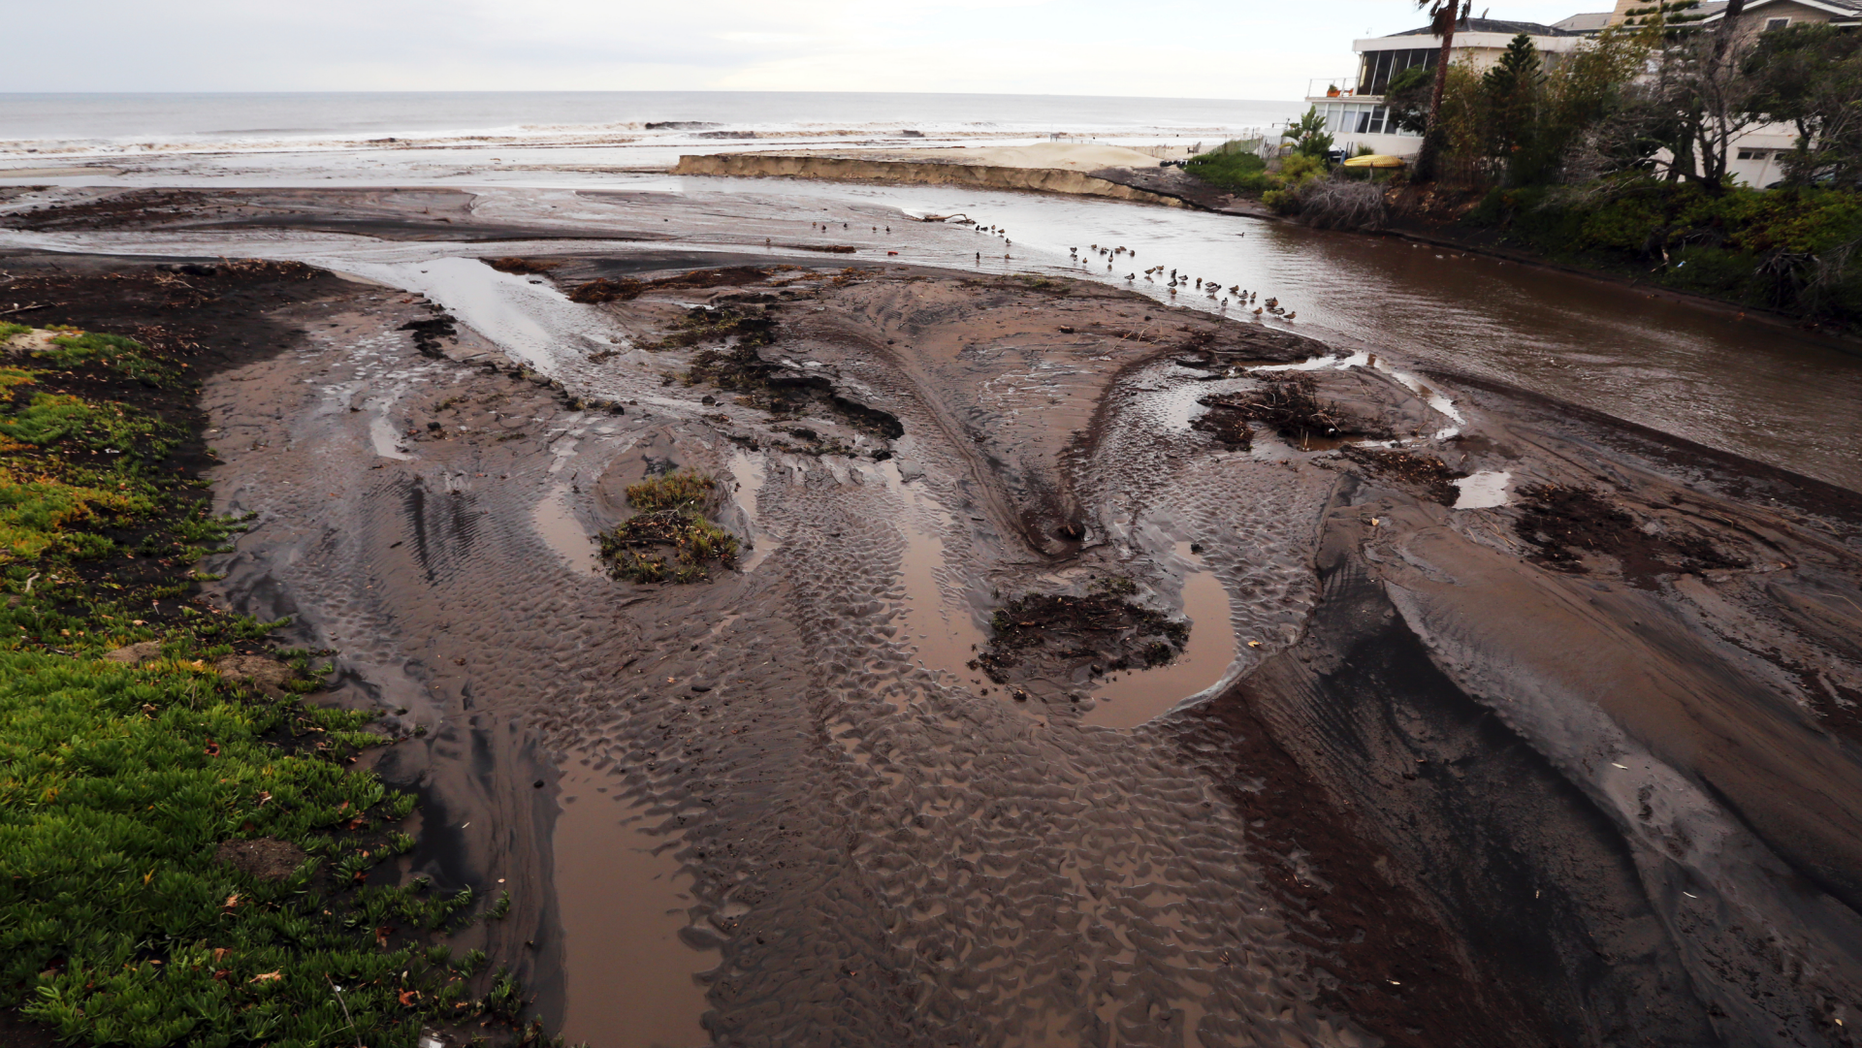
628 976
555 521
937 623
384 439
1137 696
1483 490
750 471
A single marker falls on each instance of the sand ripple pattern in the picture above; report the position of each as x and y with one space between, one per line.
881 854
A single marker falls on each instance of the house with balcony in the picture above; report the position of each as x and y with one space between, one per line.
1354 108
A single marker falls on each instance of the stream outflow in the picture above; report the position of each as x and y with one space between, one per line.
804 764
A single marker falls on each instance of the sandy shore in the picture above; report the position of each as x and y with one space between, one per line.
1574 764
1066 168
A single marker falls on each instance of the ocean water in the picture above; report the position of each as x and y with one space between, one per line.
104 125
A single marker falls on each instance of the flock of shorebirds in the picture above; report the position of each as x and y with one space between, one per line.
1213 290
1233 295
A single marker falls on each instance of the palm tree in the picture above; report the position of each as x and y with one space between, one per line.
1443 15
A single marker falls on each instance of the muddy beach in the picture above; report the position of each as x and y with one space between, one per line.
1091 671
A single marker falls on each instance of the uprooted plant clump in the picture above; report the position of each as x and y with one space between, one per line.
1060 634
522 266
1290 405
1569 524
669 540
779 389
1434 477
626 289
751 329
601 289
1226 420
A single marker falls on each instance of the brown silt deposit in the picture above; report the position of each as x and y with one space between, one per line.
1050 666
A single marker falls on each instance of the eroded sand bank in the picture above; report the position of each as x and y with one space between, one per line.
1577 768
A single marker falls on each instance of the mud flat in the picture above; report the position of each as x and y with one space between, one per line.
1575 765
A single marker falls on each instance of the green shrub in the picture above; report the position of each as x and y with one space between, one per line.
682 489
120 354
667 546
1780 248
1295 172
1235 172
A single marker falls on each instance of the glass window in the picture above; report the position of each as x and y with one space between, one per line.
1380 67
1777 23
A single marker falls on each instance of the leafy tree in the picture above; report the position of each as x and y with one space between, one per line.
1309 135
1409 96
1810 76
1583 94
1683 119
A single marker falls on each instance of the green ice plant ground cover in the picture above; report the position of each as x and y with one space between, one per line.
120 781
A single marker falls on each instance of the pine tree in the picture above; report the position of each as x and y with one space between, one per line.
1512 89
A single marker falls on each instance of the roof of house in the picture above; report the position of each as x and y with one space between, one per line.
1844 9
1585 23
1493 25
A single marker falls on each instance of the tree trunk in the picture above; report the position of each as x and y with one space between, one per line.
1431 138
1715 148
1723 36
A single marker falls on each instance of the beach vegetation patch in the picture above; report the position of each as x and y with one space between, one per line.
186 856
752 329
601 289
670 540
53 418
1234 171
124 356
679 490
521 266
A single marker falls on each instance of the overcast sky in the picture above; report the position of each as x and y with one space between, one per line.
1169 48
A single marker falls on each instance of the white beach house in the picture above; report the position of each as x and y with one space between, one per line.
1356 115
1354 107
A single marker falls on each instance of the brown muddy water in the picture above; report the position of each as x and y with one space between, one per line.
1528 771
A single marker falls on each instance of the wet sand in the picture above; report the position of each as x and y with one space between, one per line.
1558 770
